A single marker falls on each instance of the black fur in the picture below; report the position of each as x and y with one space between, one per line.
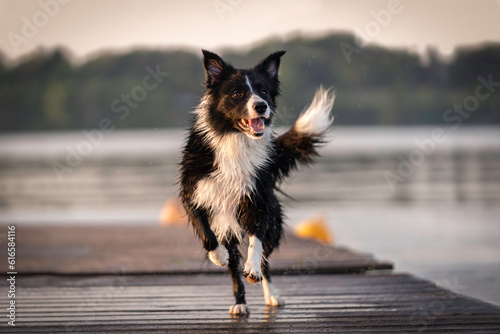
259 213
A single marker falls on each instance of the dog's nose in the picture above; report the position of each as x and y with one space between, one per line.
260 107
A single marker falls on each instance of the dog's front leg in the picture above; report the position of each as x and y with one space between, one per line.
252 271
217 253
219 256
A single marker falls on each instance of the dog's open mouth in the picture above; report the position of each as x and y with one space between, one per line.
254 126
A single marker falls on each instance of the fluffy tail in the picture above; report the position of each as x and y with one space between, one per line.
299 144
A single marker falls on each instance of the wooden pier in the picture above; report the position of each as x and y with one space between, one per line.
157 280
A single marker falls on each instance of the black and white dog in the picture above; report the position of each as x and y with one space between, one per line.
232 161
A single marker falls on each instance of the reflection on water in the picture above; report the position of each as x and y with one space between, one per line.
440 220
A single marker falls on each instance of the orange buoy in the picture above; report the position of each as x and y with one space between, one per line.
173 213
314 228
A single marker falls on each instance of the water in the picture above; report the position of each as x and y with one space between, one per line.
441 220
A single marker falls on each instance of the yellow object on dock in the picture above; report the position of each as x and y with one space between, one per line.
173 213
316 229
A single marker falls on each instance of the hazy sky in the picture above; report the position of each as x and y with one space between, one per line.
88 26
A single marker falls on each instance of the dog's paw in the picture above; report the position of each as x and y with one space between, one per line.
252 275
274 300
219 256
239 310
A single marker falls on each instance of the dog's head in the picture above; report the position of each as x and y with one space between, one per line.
242 100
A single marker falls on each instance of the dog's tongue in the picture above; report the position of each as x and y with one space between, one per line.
257 124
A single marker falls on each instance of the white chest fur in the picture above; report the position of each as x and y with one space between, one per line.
237 160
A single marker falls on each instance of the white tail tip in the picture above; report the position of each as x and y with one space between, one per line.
317 118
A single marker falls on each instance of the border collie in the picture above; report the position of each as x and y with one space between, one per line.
232 161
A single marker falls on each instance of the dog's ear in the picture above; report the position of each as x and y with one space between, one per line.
271 64
215 67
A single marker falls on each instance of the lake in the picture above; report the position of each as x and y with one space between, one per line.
430 204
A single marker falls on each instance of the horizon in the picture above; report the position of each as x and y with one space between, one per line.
78 61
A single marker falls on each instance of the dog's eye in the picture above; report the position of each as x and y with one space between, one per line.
263 92
237 95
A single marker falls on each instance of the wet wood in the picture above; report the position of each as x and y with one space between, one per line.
153 279
80 250
394 303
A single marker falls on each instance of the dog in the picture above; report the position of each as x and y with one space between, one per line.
232 162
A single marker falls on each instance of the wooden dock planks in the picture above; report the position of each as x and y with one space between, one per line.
155 280
97 250
394 303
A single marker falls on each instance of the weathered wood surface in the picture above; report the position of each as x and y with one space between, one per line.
394 303
156 280
79 250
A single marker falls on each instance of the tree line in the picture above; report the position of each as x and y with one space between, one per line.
160 88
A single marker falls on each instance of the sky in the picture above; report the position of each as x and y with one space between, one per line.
89 27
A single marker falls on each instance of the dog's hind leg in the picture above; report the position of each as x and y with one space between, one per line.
271 295
272 240
240 307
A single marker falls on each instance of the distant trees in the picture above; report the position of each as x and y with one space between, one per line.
376 85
